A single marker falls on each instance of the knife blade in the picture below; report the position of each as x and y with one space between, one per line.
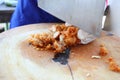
86 14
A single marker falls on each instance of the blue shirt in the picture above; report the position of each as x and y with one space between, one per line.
28 12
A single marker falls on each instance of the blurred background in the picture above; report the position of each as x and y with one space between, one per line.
110 21
7 8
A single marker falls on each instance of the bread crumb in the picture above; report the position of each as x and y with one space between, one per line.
113 65
103 50
96 57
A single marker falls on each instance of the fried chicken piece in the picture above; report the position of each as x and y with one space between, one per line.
113 65
103 50
58 39
41 41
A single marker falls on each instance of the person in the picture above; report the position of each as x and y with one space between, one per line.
28 12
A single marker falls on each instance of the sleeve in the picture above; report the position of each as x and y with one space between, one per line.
28 12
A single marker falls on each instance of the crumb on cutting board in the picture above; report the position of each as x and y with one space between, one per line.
96 57
103 50
113 65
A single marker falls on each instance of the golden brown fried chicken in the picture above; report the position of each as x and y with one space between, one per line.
58 39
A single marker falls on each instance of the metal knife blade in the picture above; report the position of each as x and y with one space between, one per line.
86 14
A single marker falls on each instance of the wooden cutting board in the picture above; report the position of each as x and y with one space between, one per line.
19 61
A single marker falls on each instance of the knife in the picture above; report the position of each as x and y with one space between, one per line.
112 23
86 14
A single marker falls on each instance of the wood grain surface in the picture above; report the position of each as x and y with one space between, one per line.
20 61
